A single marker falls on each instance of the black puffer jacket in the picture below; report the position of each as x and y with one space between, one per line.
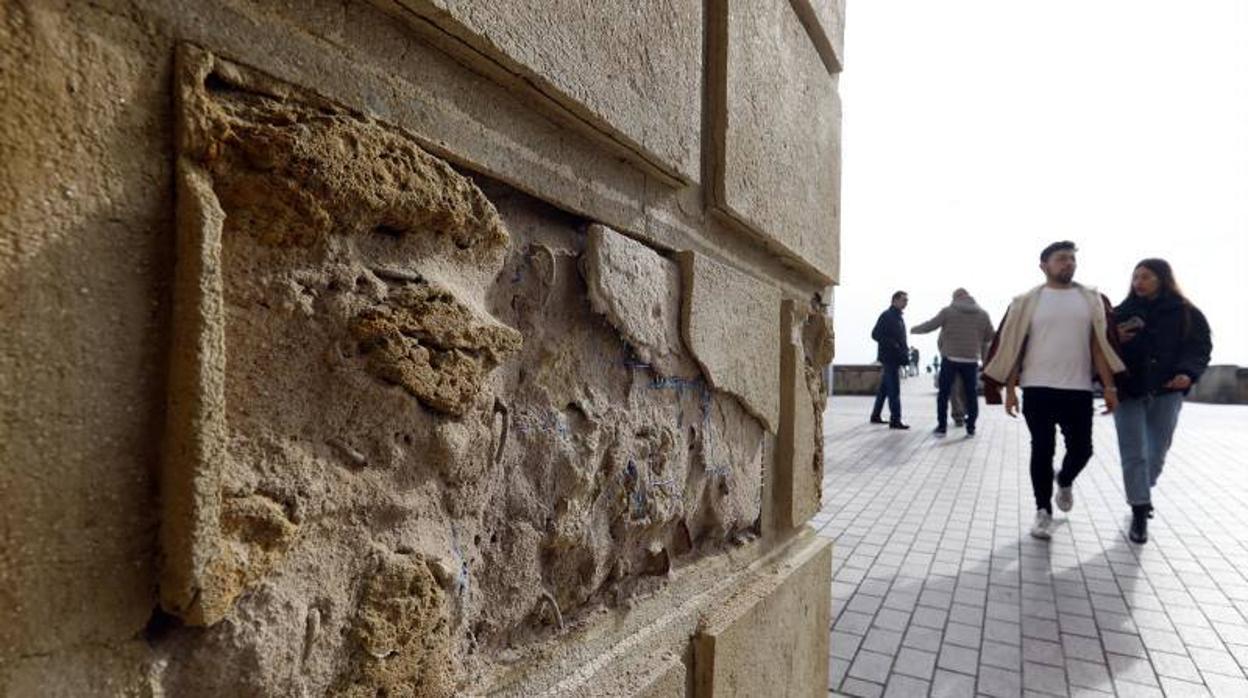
890 334
1175 339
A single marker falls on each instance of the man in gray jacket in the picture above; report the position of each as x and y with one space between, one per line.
965 335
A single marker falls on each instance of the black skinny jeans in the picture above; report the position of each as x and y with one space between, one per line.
1071 410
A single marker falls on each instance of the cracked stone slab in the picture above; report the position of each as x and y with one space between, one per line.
638 290
731 324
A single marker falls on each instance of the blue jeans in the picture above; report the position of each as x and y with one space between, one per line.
1145 428
970 377
890 389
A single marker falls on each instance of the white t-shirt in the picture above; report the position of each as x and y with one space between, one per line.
1059 352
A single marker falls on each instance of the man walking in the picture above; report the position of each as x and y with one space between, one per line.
1051 340
965 336
893 353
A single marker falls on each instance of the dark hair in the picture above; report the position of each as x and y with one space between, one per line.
1169 287
1057 247
899 294
1160 267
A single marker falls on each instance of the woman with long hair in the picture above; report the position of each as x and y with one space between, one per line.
1165 345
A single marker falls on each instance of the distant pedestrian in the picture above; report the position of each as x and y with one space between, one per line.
1052 339
965 336
913 368
1166 344
890 336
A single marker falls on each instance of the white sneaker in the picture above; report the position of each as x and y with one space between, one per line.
1065 498
1043 527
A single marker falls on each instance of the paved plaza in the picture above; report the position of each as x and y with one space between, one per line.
939 590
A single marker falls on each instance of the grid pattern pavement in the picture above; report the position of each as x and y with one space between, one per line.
939 590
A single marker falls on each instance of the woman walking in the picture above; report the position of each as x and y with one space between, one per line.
1165 345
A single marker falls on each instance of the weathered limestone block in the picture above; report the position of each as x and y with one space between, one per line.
638 290
731 323
825 22
433 345
312 243
402 634
799 471
771 639
631 70
777 141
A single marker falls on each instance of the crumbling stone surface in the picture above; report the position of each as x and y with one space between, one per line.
731 324
434 453
433 345
548 481
799 478
403 634
638 291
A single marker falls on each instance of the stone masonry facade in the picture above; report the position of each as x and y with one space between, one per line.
416 347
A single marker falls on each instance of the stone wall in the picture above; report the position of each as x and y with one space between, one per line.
856 379
1224 384
415 347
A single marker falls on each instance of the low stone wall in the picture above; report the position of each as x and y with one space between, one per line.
1225 385
855 379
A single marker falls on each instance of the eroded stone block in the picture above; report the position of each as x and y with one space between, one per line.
799 472
771 639
731 323
777 159
632 70
402 634
638 290
350 386
315 247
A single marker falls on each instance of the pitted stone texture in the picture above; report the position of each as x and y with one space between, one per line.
799 475
378 404
638 290
777 161
313 245
731 323
825 22
402 634
632 70
770 639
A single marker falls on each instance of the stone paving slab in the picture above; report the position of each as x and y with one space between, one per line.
939 590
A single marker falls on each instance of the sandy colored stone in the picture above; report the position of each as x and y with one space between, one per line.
777 158
433 345
273 188
731 324
771 639
633 71
402 635
799 473
668 682
521 493
638 290
118 669
825 22
84 237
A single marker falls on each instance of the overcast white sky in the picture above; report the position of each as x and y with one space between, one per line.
978 131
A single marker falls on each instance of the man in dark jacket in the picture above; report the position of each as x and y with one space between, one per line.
893 353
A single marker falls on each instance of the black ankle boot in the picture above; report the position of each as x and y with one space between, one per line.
1139 524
